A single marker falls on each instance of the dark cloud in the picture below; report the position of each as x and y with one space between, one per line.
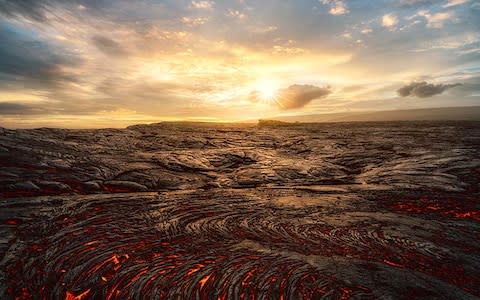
36 9
66 104
29 62
108 46
295 96
470 87
30 9
10 108
424 89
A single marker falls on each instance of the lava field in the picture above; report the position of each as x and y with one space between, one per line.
225 211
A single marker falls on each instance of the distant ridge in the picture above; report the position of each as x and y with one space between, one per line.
262 122
471 113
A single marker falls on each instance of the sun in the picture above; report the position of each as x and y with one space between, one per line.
267 90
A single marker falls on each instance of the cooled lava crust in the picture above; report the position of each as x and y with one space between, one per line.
198 211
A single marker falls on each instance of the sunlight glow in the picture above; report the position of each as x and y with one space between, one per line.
268 90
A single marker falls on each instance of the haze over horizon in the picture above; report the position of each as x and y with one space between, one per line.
108 63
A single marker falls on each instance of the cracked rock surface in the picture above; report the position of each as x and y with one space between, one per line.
225 211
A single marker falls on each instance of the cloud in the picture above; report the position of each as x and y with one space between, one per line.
389 20
36 10
30 9
424 89
11 108
236 14
151 95
73 107
194 21
32 63
108 46
451 3
337 7
297 96
436 20
203 4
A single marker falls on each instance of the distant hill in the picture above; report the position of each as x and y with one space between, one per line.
471 113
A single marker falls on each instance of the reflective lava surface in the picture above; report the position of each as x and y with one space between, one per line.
340 211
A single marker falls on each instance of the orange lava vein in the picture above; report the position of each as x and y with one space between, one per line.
196 269
204 280
71 296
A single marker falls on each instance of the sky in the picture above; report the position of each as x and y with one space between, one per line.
112 63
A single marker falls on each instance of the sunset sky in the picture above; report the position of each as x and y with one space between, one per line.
112 63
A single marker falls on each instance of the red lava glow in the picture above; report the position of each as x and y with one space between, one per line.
390 263
71 296
119 248
171 211
115 189
462 207
12 222
346 293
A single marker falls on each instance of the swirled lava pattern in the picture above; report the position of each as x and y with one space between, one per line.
371 211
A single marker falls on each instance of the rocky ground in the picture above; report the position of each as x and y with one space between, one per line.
216 211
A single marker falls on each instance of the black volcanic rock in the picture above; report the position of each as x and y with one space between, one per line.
54 186
25 186
408 155
124 186
225 211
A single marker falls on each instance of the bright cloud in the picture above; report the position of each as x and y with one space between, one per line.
337 7
389 20
451 3
203 4
436 20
